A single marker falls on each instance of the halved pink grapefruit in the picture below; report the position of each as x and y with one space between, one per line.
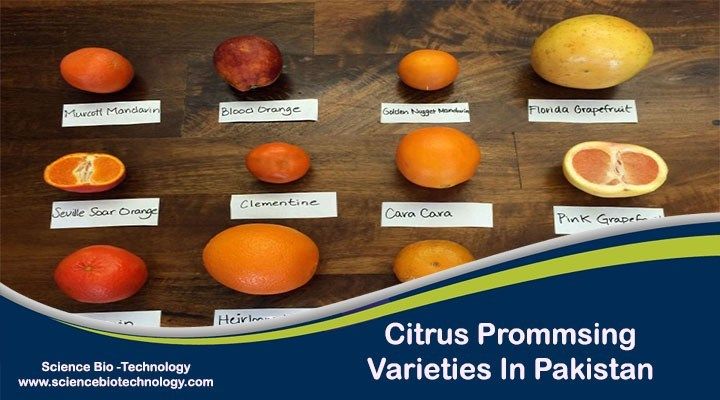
607 169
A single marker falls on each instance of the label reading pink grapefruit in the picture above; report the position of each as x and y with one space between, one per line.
569 219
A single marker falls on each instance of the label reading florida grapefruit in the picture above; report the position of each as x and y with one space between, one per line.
569 219
248 316
437 215
582 111
284 205
100 213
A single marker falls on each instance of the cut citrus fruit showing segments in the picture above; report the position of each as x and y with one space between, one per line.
606 169
85 172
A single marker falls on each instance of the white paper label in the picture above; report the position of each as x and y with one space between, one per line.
582 111
283 205
569 219
395 113
97 213
436 215
117 113
268 111
242 317
130 318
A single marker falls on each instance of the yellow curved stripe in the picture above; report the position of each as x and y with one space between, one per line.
696 246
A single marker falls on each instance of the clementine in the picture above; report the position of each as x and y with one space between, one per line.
429 256
278 162
606 169
85 172
428 69
261 258
101 274
437 157
97 70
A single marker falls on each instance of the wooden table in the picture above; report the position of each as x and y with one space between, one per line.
345 55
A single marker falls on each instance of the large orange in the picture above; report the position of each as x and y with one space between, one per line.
261 258
428 69
437 157
429 256
85 172
101 274
97 70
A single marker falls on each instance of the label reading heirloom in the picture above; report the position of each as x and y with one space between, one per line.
117 113
569 219
283 205
436 215
582 111
97 213
268 111
130 318
242 317
394 113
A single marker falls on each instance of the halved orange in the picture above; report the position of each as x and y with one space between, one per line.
607 169
85 172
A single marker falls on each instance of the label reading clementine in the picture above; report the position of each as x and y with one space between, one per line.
582 111
128 318
284 205
437 215
249 316
268 111
117 113
443 113
100 213
570 219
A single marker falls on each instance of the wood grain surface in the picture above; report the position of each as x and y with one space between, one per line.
345 55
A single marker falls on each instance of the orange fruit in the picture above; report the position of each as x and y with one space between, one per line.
85 172
261 258
429 256
606 169
97 70
437 157
278 162
101 274
428 69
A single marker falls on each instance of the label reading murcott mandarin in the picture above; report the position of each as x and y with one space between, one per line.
117 113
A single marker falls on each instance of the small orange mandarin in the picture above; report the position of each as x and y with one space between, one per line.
97 70
429 256
428 69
